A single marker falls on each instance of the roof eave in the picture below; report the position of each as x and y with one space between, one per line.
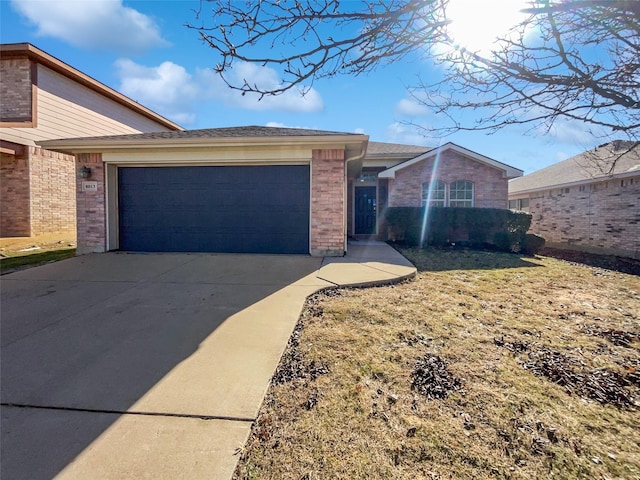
13 50
99 145
605 178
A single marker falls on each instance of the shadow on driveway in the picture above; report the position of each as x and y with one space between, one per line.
175 338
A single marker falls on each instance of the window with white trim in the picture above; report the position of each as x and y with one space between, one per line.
461 194
519 204
434 193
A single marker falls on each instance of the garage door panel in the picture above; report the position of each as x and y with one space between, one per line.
261 209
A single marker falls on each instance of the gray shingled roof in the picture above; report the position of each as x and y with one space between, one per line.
380 148
226 132
590 165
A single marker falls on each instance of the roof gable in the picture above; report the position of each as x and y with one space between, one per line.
382 149
508 171
21 50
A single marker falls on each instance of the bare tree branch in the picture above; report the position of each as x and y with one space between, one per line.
569 59
328 37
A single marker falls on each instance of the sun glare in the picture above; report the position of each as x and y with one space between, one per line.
477 25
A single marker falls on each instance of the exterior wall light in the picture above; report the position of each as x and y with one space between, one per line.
85 172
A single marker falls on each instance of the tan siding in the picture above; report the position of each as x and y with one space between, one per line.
66 110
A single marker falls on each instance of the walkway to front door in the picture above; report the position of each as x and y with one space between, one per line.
365 210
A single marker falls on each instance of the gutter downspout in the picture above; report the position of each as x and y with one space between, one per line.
359 156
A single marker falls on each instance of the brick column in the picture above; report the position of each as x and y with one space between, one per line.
91 205
327 203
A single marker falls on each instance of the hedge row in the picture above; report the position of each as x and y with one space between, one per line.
504 229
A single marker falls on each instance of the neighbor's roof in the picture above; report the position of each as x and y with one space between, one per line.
381 149
17 50
509 171
247 135
594 164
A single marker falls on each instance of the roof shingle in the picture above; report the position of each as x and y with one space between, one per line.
590 165
226 132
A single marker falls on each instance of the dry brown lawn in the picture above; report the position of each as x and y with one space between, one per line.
522 368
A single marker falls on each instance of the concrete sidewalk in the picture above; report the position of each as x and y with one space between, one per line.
153 366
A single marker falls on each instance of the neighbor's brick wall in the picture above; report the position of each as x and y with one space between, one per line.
603 218
53 192
490 188
327 203
14 196
91 210
15 90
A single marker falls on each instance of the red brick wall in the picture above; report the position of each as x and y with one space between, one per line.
490 188
15 90
327 203
91 211
53 196
14 197
602 218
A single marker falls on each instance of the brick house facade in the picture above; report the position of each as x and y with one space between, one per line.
489 183
404 175
578 204
37 186
329 177
324 154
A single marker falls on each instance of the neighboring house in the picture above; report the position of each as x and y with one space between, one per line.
590 202
42 98
263 189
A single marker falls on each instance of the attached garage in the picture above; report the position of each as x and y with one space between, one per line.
252 209
238 190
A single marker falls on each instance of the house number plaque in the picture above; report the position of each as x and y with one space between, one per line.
90 186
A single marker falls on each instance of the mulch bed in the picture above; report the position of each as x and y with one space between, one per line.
609 262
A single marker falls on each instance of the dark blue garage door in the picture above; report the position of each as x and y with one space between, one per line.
258 209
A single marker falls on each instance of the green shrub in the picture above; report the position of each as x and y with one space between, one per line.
502 240
444 225
532 244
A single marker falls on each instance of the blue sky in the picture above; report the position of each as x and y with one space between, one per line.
143 49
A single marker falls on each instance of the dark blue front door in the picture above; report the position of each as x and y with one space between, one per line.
365 210
258 209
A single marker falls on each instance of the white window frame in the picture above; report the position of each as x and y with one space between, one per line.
440 186
454 201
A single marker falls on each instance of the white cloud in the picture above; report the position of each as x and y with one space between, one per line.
168 88
410 108
99 24
401 133
293 100
360 131
173 92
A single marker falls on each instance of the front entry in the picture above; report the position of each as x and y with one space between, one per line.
365 210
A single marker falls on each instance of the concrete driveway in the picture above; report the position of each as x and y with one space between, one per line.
151 365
